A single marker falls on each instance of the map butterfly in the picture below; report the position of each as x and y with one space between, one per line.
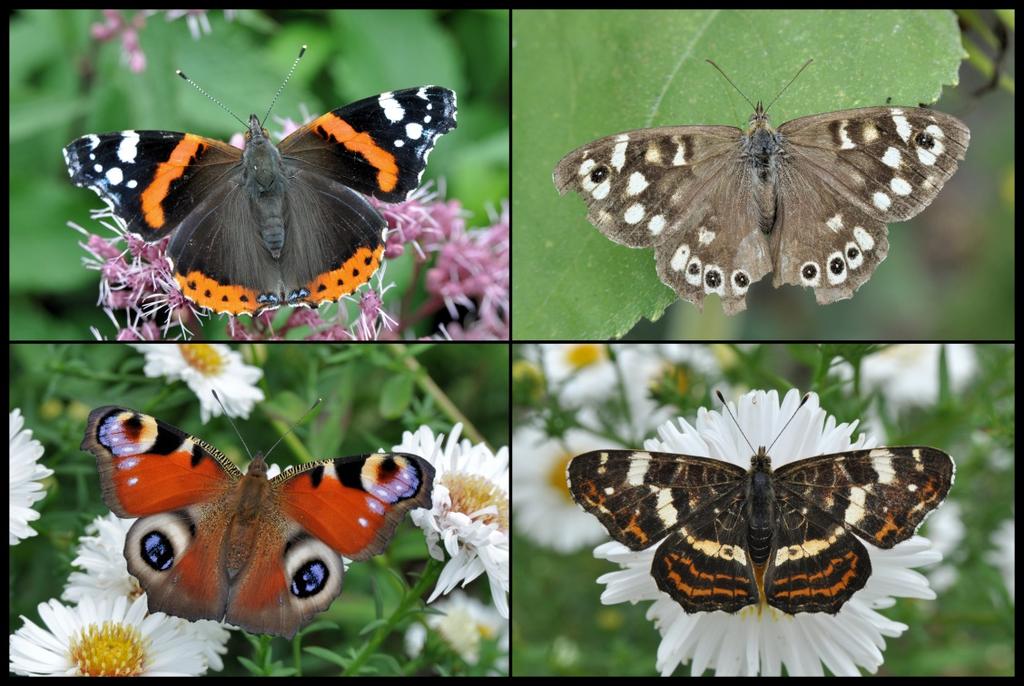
735 537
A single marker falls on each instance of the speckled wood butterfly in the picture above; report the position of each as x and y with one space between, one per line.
808 201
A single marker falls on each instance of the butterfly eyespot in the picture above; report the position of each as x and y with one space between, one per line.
852 253
924 140
741 280
157 551
310 579
694 268
599 174
809 271
837 265
713 279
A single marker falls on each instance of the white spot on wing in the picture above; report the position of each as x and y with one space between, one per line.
656 224
634 214
680 257
639 463
637 183
881 200
619 155
863 238
392 110
665 509
128 148
855 510
892 157
900 186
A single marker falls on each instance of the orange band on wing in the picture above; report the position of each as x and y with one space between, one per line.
207 292
356 271
363 144
167 172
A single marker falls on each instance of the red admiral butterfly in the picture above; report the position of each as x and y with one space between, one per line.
270 225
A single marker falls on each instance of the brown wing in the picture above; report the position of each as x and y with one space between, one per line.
682 190
640 497
845 175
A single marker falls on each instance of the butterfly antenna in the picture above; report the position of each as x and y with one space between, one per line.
788 85
741 95
232 422
302 52
726 406
200 89
802 402
292 427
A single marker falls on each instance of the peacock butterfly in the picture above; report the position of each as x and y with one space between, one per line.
263 554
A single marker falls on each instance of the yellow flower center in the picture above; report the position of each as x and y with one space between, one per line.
584 355
110 649
472 493
203 358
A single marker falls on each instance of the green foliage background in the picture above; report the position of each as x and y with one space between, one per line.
581 75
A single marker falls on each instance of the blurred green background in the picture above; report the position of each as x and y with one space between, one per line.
582 75
560 626
64 84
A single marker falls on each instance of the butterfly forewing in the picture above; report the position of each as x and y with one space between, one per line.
641 496
881 494
892 161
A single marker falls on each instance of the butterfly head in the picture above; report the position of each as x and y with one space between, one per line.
758 119
760 461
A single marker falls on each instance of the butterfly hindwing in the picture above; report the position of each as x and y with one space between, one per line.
816 564
705 566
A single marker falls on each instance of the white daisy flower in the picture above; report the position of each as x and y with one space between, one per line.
463 624
24 477
761 639
580 371
909 373
105 637
100 556
207 367
105 575
470 516
540 494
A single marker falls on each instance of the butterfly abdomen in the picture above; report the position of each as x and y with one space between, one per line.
760 516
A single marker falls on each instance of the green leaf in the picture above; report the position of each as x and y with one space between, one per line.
396 396
578 76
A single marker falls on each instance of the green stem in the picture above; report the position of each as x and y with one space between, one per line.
427 579
434 391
